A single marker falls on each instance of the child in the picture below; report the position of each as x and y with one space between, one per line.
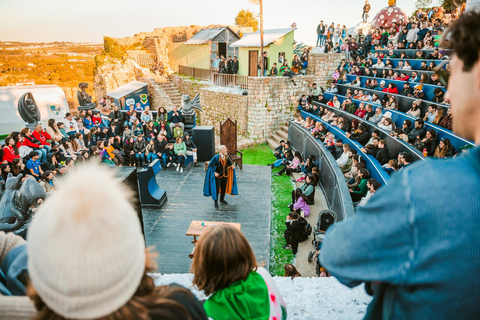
177 131
150 151
87 122
61 127
34 165
169 155
97 119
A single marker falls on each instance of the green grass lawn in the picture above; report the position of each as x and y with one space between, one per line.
281 198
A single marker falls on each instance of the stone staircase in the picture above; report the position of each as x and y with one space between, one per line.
169 88
280 134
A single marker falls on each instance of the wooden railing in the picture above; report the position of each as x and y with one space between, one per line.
200 73
218 79
230 80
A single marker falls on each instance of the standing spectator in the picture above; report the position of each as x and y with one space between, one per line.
235 65
320 32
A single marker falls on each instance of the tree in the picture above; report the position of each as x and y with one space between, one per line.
246 18
449 5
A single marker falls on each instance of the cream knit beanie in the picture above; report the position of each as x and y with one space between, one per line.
85 246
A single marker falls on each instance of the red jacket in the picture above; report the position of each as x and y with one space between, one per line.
391 90
9 154
28 142
42 137
402 79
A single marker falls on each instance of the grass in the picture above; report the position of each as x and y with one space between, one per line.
281 198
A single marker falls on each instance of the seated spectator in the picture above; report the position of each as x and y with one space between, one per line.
274 70
399 133
391 88
361 110
128 149
431 67
163 128
381 86
446 122
356 82
407 90
371 148
34 165
71 126
315 92
136 127
224 267
177 131
392 103
415 110
439 95
117 260
10 151
429 142
295 232
406 65
349 106
387 124
439 114
293 166
431 113
191 149
382 153
377 117
290 270
379 64
175 116
150 154
403 77
361 135
344 157
332 89
444 149
139 148
48 181
180 151
151 131
372 186
170 157
418 131
53 131
300 204
361 190
391 166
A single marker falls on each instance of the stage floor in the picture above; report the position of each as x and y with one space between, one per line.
165 227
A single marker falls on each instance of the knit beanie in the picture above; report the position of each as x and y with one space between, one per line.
85 246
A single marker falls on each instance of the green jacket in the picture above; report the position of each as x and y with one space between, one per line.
362 187
351 108
180 148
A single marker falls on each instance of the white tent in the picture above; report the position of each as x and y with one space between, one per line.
50 99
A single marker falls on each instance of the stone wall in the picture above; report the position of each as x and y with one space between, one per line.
322 65
190 86
218 106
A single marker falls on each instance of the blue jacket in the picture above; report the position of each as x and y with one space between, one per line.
209 187
419 236
13 271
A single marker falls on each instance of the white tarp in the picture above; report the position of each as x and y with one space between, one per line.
122 91
50 99
269 35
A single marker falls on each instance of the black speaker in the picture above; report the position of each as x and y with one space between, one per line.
150 193
204 139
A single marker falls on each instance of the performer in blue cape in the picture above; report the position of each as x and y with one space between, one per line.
220 177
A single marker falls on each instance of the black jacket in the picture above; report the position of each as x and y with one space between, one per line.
382 156
175 119
362 138
160 146
412 136
190 144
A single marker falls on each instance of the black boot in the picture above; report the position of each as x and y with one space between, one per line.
216 204
222 201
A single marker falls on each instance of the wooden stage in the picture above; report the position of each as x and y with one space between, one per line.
165 228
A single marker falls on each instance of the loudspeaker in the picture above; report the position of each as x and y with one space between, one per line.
150 193
204 139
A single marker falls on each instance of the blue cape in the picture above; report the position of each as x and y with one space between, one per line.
209 187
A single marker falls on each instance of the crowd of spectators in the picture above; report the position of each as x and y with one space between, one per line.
135 138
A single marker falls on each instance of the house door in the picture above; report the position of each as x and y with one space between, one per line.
222 49
252 63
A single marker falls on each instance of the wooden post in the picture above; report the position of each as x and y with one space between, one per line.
261 36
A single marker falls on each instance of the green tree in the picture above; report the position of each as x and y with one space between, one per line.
246 18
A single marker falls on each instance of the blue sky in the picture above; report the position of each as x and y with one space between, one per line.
90 20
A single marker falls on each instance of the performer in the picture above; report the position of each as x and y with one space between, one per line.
220 177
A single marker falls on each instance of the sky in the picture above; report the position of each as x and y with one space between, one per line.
90 20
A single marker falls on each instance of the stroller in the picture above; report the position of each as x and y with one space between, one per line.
325 219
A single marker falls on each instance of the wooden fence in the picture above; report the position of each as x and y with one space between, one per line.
218 79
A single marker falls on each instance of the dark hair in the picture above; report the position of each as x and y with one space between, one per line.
365 173
434 107
298 155
374 183
408 158
464 38
420 121
408 122
299 194
33 154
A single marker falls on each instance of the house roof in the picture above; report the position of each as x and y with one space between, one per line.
207 35
269 36
130 87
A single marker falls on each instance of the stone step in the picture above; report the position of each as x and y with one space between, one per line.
276 138
284 128
283 134
272 143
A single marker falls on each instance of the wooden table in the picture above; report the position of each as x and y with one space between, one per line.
196 229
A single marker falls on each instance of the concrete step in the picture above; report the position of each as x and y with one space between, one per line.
276 138
272 143
284 128
283 134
